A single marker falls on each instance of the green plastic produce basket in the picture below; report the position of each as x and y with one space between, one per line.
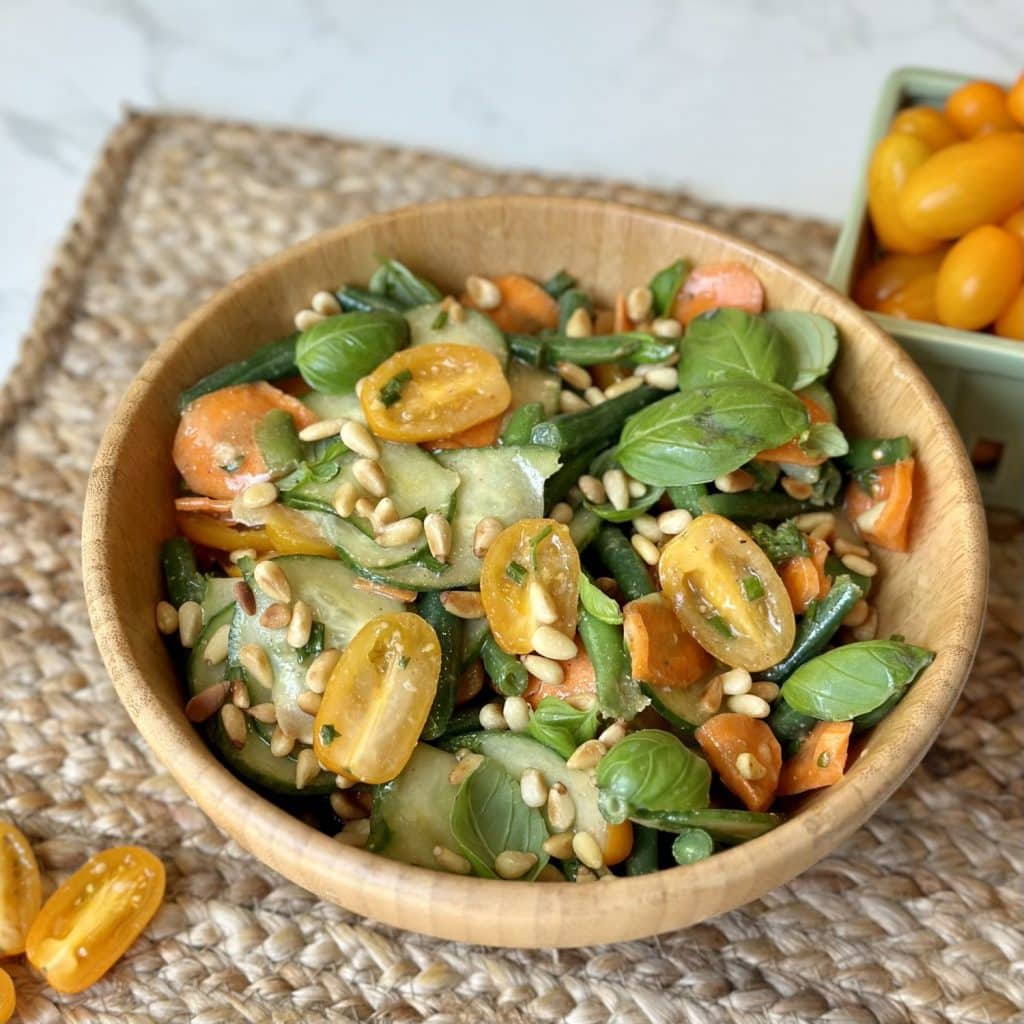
980 377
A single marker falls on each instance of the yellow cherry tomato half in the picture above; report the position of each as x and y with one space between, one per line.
1015 101
618 843
1010 323
433 391
978 278
377 699
965 185
978 107
727 594
914 301
20 890
292 533
87 925
893 162
7 998
533 555
891 273
929 125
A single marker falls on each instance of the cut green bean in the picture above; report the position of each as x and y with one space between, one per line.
869 453
584 527
506 672
529 349
835 569
361 300
688 496
765 507
183 579
618 694
556 487
449 635
573 432
791 727
278 442
269 362
559 283
724 826
521 423
631 347
643 858
569 301
621 560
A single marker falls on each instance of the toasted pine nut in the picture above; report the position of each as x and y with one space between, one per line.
455 310
325 304
492 718
674 521
559 845
613 734
300 626
542 607
483 292
259 495
245 597
593 490
868 629
320 430
370 477
517 714
347 807
711 699
647 526
573 375
561 513
622 387
749 767
276 616
385 590
385 512
645 548
766 691
667 327
450 861
265 713
167 614
735 482
253 658
551 643
636 488
546 670
812 520
320 669
845 547
580 324
217 646
533 788
735 682
358 439
270 578
617 489
306 318
749 705
234 557
584 874
664 378
468 764
587 755
857 564
858 614
405 531
365 507
309 702
512 864
345 498
190 623
485 534
595 396
798 489
307 768
354 833
463 604
439 536
235 726
582 701
281 744
588 850
240 694
638 304
207 702
569 401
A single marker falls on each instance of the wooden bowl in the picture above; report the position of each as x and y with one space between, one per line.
934 595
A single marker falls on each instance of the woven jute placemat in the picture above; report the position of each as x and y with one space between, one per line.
917 918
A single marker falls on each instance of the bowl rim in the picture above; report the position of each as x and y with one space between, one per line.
443 905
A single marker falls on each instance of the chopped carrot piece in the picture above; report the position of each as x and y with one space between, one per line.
805 577
719 286
579 677
211 532
525 307
820 761
483 435
661 651
215 447
790 451
819 554
725 739
882 513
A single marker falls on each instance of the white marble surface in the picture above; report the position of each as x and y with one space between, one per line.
760 102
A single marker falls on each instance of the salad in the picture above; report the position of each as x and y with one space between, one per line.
517 586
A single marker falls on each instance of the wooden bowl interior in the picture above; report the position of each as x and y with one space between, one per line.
934 595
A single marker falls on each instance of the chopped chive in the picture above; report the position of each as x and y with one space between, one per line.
753 588
440 320
720 625
314 645
535 543
516 573
403 661
327 735
392 391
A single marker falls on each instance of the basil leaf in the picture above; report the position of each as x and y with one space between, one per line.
730 344
825 489
824 439
853 680
785 541
335 353
665 286
562 727
598 603
650 772
397 282
703 433
813 342
489 816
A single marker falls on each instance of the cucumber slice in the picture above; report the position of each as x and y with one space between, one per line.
680 705
532 384
218 593
475 329
254 762
411 813
327 587
335 407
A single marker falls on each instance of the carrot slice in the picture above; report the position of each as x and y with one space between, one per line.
805 577
661 651
719 286
820 761
525 307
725 738
790 451
882 513
579 678
483 435
215 447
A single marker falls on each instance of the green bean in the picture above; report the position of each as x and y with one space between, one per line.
790 727
621 560
527 348
449 635
763 506
360 300
184 581
724 826
870 453
643 859
268 362
505 671
559 283
618 694
556 487
521 423
569 301
630 347
278 442
688 496
584 527
834 569
463 721
572 432
868 721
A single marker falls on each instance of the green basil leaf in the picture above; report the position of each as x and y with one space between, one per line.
813 342
562 727
665 286
703 433
785 541
335 353
853 680
650 771
824 439
395 281
598 603
489 816
730 344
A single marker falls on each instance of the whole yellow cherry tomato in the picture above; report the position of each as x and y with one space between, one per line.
529 554
893 162
929 125
914 301
965 185
892 272
1015 224
433 391
378 698
1010 323
1015 101
7 997
20 890
87 925
978 107
727 594
978 278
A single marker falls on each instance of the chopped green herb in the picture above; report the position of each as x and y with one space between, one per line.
392 391
720 625
753 588
327 734
535 543
403 661
785 541
440 320
516 573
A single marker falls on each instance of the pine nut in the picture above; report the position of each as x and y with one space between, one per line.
466 766
735 482
573 375
344 782
347 807
240 694
812 520
647 526
245 597
711 699
868 629
822 532
580 324
190 623
405 531
559 845
492 719
320 431
354 833
766 691
667 327
857 564
858 614
588 850
455 310
463 604
674 522
546 670
636 488
594 396
345 498
574 495
167 614
234 557
259 495
325 304
749 767
735 682
561 513
533 788
385 590
616 488
265 713
550 643
281 744
638 304
370 477
253 658
664 378
582 701
217 646
593 490
235 726
542 606
513 864
320 669
622 387
448 860
309 702
206 703
306 318
749 705
587 755
613 734
300 626
357 438
584 874
845 547
276 616
385 512
483 292
645 548
799 490
517 714
307 768
439 536
270 578
485 534
569 401
365 507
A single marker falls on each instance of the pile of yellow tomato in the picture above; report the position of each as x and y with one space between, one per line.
946 200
